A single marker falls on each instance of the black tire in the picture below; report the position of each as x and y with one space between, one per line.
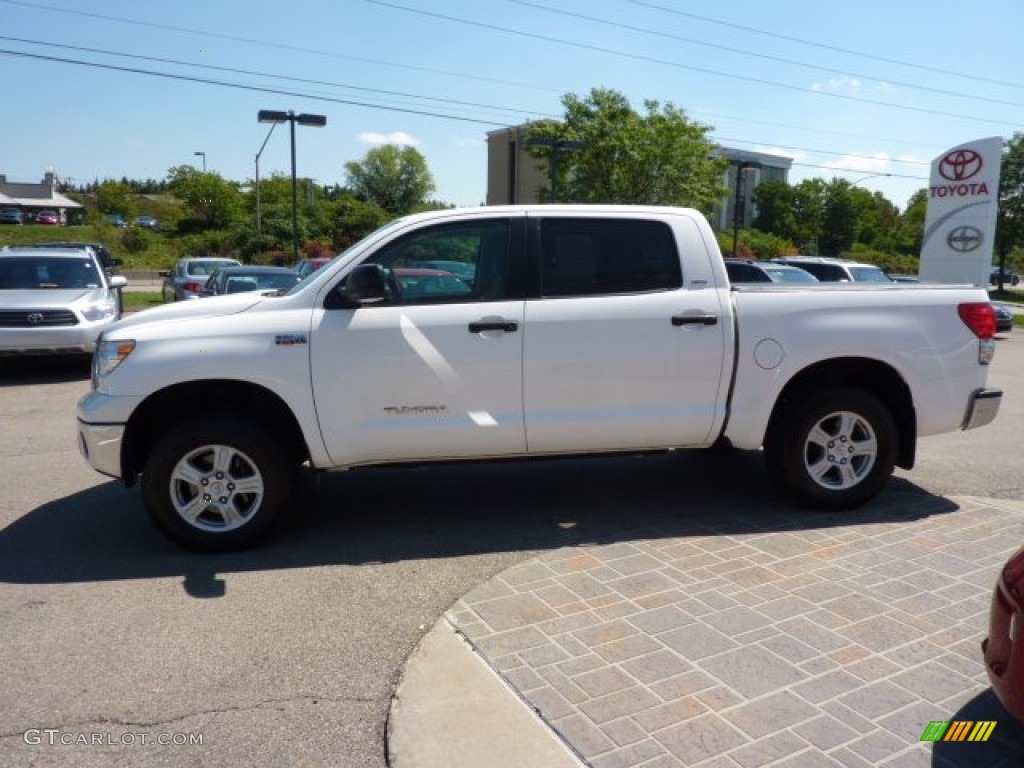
226 503
833 450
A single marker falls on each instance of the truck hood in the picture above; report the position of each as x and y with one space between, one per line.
214 306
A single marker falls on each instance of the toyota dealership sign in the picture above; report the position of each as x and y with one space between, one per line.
960 226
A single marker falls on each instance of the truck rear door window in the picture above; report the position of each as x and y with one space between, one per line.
593 257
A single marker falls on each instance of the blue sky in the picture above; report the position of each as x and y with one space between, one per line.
845 88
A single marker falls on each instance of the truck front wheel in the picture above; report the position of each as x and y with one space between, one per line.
835 449
216 484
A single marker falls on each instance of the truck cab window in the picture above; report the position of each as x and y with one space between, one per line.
583 257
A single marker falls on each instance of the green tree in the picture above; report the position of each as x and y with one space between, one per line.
660 157
391 177
213 202
1010 219
809 212
115 197
775 202
839 218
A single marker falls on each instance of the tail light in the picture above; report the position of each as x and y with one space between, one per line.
197 287
980 317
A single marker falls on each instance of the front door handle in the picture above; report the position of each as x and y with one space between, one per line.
695 319
493 325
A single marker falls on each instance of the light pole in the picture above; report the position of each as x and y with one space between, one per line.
275 116
737 203
869 176
557 147
259 225
197 154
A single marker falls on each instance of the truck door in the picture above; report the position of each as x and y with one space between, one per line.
436 371
621 350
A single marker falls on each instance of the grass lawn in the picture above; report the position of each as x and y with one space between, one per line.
136 300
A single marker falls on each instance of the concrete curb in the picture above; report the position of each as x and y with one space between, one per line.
452 711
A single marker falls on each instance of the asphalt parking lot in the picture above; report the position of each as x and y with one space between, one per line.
289 655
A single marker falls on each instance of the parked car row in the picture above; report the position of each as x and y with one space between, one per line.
12 215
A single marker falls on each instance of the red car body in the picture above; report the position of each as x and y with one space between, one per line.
48 217
1004 646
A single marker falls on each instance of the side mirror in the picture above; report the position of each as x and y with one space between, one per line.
118 281
366 284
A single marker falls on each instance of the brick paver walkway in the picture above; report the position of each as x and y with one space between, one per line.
775 638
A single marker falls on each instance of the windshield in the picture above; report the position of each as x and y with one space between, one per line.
353 250
209 266
790 275
869 275
48 272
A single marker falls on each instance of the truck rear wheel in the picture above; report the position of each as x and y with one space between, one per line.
216 484
833 450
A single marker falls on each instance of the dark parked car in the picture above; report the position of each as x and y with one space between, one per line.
831 270
1004 647
188 277
245 279
1004 317
11 215
462 270
1009 277
146 222
429 284
116 219
747 271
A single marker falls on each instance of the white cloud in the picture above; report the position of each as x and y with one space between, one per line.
395 137
880 162
844 84
465 143
790 153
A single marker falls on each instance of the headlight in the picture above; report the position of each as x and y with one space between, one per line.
94 312
109 355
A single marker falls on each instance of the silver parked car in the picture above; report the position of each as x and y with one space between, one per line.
188 278
54 301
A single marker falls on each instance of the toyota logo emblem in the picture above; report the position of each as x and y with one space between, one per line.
965 239
960 165
35 318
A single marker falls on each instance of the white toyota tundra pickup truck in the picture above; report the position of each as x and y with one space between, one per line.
526 331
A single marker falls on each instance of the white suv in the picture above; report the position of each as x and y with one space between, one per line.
830 270
54 300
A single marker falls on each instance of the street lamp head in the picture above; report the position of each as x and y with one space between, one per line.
316 121
272 116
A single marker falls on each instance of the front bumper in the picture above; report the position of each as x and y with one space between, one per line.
982 407
71 339
100 445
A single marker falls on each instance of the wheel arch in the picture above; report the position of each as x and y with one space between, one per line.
168 406
874 376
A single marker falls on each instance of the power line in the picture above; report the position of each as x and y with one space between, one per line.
826 46
764 56
244 87
273 44
668 63
369 105
161 60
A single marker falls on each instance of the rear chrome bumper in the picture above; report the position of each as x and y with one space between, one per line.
982 407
